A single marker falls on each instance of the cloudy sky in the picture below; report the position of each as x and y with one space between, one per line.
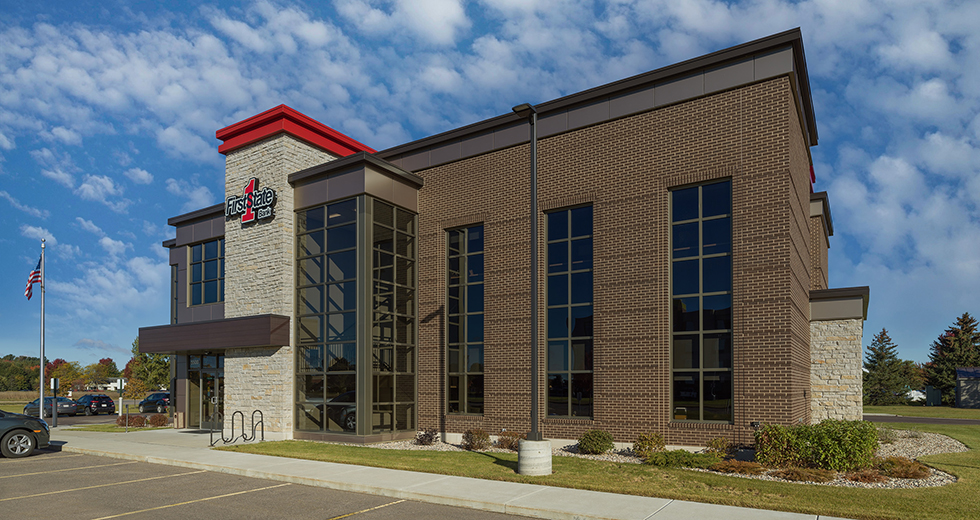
108 111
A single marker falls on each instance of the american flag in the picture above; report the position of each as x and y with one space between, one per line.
33 278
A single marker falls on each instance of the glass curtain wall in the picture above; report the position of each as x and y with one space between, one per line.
701 289
394 252
465 311
570 312
326 314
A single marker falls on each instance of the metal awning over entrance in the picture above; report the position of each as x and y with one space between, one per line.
250 331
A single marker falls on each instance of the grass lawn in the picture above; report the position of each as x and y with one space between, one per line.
13 406
959 500
944 412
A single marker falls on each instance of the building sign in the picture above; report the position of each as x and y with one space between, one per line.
253 204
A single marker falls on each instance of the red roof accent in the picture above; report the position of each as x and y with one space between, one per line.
283 119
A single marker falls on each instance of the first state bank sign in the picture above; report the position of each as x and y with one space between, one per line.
254 204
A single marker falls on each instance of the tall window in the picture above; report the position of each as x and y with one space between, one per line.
570 312
393 346
465 306
701 289
327 317
207 266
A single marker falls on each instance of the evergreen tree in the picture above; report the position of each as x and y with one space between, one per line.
958 347
884 381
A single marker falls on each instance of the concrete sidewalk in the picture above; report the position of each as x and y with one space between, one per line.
190 450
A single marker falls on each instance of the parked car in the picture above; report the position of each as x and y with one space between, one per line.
94 404
158 401
65 407
343 413
20 434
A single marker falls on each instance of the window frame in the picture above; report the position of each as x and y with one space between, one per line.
570 339
700 294
464 375
220 279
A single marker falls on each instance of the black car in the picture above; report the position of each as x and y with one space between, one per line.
158 401
95 404
65 407
20 434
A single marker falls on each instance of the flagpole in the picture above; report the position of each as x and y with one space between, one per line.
40 404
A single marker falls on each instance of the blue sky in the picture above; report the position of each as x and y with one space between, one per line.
108 111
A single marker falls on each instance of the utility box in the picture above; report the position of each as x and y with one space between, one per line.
933 396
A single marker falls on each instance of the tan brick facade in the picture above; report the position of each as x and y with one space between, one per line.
259 258
836 376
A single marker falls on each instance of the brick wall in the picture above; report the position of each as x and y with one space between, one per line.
836 373
259 269
625 168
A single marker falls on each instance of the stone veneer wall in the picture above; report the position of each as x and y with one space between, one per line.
835 375
259 277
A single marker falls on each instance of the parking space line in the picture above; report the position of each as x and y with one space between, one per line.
102 485
367 510
60 456
71 469
193 501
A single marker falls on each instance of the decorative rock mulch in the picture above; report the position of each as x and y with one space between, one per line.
909 444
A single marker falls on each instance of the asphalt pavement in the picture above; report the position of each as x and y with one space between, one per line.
918 420
187 449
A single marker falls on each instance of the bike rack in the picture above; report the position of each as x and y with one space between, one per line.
245 437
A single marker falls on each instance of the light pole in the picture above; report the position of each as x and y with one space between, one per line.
534 453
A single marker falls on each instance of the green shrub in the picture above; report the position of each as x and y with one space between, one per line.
721 446
476 439
741 467
158 420
510 440
595 442
805 474
647 444
832 445
426 437
682 459
135 421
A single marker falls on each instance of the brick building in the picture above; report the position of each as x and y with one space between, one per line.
359 295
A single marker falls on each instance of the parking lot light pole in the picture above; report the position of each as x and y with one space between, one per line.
534 453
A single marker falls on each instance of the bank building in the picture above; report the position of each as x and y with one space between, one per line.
360 295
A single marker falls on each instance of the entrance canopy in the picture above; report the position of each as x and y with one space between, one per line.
250 331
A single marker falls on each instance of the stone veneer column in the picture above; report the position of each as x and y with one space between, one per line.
836 370
259 278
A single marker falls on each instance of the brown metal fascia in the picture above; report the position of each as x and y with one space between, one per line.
170 244
792 37
245 332
843 293
350 163
208 212
825 201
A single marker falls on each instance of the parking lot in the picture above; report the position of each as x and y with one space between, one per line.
55 484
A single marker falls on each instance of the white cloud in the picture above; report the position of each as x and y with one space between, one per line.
38 233
64 135
139 175
100 188
67 251
99 346
56 167
5 142
89 226
113 247
197 196
438 22
39 213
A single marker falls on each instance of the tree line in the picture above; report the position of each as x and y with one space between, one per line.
887 378
143 372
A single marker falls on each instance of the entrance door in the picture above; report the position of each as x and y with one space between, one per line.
206 390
